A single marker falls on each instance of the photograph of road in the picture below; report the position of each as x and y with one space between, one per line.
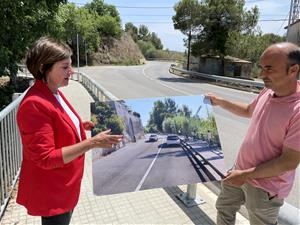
167 141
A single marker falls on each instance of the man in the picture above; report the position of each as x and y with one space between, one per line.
264 170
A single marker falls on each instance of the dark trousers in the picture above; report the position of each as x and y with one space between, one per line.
61 219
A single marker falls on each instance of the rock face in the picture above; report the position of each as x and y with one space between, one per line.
118 51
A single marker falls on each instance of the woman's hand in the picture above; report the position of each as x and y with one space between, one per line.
88 125
215 100
105 140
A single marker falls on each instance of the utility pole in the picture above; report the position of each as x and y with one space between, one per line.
293 16
85 44
189 51
77 53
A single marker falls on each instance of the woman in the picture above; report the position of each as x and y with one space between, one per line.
53 137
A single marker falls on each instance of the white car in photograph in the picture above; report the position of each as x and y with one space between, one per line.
153 137
173 139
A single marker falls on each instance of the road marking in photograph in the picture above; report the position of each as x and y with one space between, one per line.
165 85
147 172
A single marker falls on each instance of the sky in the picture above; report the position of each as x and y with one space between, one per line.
157 16
145 106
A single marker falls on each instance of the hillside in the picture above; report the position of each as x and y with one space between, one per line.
122 51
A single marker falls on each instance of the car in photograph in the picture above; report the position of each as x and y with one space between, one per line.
173 139
153 137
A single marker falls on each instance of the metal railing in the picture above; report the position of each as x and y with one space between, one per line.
204 165
96 89
221 80
11 151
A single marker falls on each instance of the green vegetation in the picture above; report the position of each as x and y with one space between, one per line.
21 23
92 22
150 44
166 117
222 27
104 117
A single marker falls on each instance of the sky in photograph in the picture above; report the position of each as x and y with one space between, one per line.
157 16
145 106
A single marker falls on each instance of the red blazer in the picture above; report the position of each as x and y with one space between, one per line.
47 186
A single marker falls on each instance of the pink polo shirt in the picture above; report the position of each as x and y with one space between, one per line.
275 123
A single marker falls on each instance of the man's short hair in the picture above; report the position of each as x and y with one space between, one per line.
293 57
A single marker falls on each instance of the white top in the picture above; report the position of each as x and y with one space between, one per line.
72 116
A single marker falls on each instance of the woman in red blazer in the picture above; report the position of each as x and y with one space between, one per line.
53 137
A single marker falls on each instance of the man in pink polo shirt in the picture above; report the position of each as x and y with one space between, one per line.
264 170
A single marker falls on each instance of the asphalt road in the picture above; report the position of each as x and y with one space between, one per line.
142 165
154 80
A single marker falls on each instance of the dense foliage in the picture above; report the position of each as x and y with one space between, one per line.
104 117
212 21
167 117
21 22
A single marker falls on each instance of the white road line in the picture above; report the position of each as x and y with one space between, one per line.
174 89
147 172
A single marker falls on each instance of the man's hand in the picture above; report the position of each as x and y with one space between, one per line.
237 108
236 178
88 125
215 100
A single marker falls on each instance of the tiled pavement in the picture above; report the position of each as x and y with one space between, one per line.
155 206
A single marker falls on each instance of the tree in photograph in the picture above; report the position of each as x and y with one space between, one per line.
161 111
157 116
168 126
116 124
185 111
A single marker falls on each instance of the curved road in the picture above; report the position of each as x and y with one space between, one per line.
154 80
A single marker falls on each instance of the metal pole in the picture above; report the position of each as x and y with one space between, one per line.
289 23
77 54
189 46
85 53
189 198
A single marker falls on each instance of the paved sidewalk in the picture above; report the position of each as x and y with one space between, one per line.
155 206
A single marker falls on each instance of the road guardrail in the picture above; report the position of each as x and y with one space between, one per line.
220 80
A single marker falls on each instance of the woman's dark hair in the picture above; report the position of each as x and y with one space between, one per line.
43 54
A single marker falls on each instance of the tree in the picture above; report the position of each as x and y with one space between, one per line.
161 111
185 20
109 21
250 46
132 30
185 111
217 20
70 21
147 48
116 124
143 33
103 9
109 26
156 41
21 23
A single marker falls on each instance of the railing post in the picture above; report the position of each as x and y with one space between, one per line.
190 198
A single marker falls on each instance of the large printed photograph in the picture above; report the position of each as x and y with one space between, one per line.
166 141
